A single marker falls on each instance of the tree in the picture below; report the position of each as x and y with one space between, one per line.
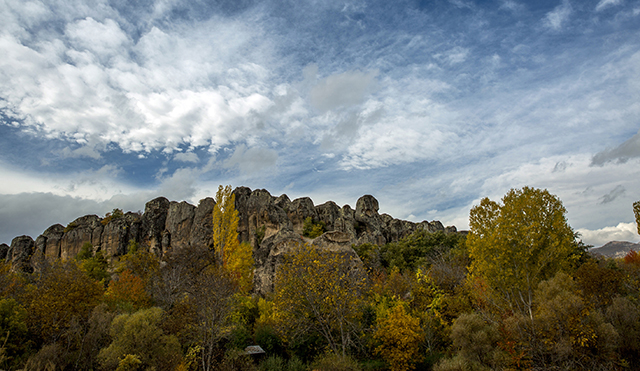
318 290
141 336
225 225
518 244
636 212
400 337
61 295
236 258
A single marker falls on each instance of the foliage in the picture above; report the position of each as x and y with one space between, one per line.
127 293
94 264
335 362
311 229
636 212
14 340
114 214
518 244
61 293
568 331
476 343
225 225
140 335
318 290
417 249
400 337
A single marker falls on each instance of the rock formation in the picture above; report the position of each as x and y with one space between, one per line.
272 225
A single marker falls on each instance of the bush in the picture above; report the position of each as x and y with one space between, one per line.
311 230
273 363
335 362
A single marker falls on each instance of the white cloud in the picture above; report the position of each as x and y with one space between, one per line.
556 18
252 160
607 3
620 232
342 90
186 157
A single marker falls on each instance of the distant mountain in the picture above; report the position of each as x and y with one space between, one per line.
616 249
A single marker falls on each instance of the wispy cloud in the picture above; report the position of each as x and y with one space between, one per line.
558 17
606 4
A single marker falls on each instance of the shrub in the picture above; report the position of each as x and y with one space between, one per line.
312 230
335 362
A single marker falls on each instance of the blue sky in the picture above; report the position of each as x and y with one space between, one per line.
427 105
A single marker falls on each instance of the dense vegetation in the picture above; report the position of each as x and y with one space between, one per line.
519 292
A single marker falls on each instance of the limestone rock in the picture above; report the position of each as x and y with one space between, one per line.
118 232
301 209
19 254
346 222
283 202
48 243
153 223
179 223
268 257
369 221
202 228
84 229
264 218
328 213
242 195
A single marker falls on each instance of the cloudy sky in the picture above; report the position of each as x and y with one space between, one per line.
427 105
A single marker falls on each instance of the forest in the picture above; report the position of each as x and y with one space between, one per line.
519 291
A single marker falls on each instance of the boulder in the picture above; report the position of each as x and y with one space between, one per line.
370 227
328 213
19 254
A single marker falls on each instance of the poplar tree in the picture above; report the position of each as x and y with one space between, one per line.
516 245
234 257
225 225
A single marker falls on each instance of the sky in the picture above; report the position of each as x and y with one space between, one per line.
429 106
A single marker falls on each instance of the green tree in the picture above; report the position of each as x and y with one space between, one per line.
518 244
318 290
139 337
14 336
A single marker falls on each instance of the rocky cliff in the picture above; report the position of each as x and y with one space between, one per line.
272 225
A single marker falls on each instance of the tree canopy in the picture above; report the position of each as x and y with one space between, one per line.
519 243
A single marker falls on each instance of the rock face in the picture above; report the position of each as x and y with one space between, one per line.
20 252
272 225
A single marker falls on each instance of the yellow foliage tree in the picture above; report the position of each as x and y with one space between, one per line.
400 337
317 290
234 257
518 244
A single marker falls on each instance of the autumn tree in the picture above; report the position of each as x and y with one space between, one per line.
322 291
138 340
225 224
235 257
60 295
400 337
636 212
519 243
